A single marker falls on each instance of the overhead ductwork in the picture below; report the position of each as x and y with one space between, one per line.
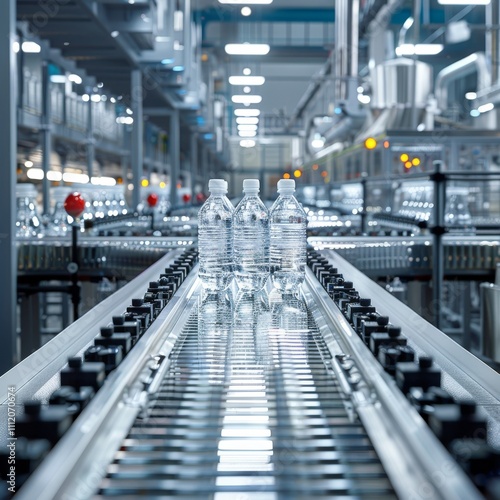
475 63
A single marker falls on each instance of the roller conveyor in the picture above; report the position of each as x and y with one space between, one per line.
247 396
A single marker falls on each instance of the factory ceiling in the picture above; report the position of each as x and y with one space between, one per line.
106 39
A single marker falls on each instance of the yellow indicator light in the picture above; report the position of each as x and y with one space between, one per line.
386 144
163 185
415 162
370 143
286 175
408 164
297 173
144 183
404 157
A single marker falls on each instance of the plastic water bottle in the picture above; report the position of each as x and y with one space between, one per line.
288 239
251 239
215 238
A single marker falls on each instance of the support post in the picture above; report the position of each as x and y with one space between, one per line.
46 135
136 153
8 146
175 155
90 140
194 163
437 231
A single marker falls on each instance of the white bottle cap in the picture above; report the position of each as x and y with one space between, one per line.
226 186
251 185
217 184
286 185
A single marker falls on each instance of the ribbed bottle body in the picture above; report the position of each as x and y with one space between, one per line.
287 243
251 243
215 244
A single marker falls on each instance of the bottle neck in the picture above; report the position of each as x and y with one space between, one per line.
286 192
251 193
217 192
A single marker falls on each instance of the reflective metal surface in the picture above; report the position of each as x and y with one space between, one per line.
490 321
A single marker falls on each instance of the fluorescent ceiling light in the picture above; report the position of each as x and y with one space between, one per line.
364 99
31 47
242 133
247 120
53 175
246 2
125 120
247 49
35 174
85 97
246 80
247 112
103 181
71 177
246 11
464 2
95 98
58 78
470 96
246 99
75 79
247 143
247 127
178 20
486 107
420 49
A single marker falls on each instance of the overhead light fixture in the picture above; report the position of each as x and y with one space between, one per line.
28 163
75 79
112 100
364 99
247 71
178 68
247 90
129 111
420 49
243 128
247 120
246 99
31 48
103 181
71 177
125 120
241 133
35 174
58 78
85 97
95 98
470 96
247 112
247 143
464 2
178 20
246 11
53 175
247 80
167 61
247 49
115 33
486 107
246 2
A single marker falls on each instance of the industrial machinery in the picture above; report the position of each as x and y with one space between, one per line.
338 391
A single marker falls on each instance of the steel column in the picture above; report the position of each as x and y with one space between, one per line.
46 130
194 163
8 147
175 155
90 140
136 152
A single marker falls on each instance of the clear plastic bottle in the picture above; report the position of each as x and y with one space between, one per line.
28 222
215 238
60 222
288 239
251 239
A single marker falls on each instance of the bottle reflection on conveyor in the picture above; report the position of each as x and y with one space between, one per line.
288 320
215 327
249 347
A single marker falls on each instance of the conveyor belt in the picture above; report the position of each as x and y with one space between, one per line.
248 408
232 397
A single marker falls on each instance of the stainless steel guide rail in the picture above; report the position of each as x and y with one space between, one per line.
250 395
